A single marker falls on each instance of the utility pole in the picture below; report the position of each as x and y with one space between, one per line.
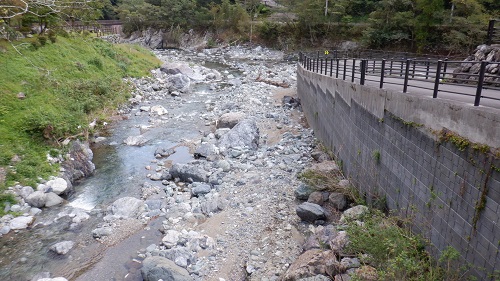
326 8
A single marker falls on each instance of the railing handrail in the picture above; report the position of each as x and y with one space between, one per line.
439 72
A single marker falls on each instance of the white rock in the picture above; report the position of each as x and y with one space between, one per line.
159 110
171 238
58 185
62 248
20 222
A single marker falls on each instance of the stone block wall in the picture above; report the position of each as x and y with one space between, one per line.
452 195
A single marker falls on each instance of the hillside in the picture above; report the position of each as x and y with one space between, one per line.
52 92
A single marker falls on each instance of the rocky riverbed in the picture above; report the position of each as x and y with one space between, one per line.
221 203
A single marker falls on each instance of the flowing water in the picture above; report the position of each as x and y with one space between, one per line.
120 170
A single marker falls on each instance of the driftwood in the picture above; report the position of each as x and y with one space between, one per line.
270 82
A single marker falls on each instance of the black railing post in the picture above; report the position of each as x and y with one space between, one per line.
317 64
445 68
407 74
401 69
390 70
353 69
331 67
321 66
413 70
338 63
345 69
427 69
480 83
438 78
382 74
364 64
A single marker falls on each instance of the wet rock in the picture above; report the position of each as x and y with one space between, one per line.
52 199
127 207
20 222
159 110
199 188
53 279
244 134
156 268
164 152
229 120
179 82
59 185
303 191
207 150
62 248
354 213
337 200
79 165
188 173
102 232
310 212
135 140
312 263
37 199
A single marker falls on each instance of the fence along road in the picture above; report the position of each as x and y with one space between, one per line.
423 77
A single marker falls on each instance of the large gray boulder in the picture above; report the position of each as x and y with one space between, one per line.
207 150
156 268
200 188
313 263
174 68
127 207
244 134
310 212
52 199
62 248
79 165
37 199
188 173
303 191
179 82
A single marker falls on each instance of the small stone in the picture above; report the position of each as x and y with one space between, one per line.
62 248
310 212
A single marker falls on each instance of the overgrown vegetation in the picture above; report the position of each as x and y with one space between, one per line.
53 92
396 253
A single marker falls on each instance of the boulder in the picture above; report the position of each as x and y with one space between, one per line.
171 238
312 263
179 82
338 243
188 173
20 222
62 248
52 199
303 191
159 110
79 165
244 134
337 200
322 236
37 199
135 140
207 150
354 213
127 207
318 197
200 188
156 268
59 185
174 68
25 191
229 120
101 232
310 212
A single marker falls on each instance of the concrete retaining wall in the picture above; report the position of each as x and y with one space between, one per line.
389 148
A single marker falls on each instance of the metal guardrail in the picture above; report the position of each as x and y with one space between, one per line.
426 74
493 36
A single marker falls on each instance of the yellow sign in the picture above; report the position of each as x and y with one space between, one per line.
327 52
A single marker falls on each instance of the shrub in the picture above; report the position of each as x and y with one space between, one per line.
96 62
42 39
52 36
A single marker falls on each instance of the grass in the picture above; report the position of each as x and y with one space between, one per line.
67 84
396 253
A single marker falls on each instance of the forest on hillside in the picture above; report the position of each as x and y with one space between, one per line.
454 26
